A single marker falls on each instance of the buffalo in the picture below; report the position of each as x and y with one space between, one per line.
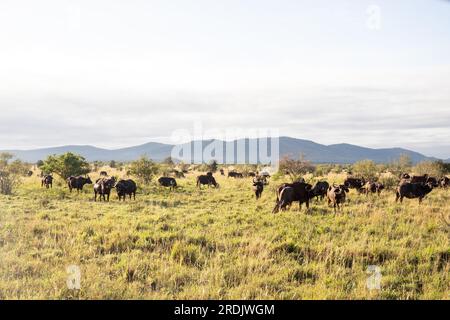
302 193
285 199
413 190
103 173
320 190
234 174
78 183
168 182
126 187
208 180
337 195
47 181
372 187
354 183
102 187
258 188
444 182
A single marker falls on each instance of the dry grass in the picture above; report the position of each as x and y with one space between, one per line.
219 244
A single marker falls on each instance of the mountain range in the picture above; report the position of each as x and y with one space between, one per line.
312 151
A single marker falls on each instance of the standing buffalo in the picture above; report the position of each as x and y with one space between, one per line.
103 173
47 181
78 183
301 193
258 188
126 187
102 187
222 173
234 174
320 190
337 195
285 199
168 182
208 180
413 190
354 183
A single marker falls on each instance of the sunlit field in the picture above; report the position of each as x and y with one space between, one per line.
220 244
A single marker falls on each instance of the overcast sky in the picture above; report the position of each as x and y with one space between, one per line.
121 73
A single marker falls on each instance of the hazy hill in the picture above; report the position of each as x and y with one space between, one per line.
315 152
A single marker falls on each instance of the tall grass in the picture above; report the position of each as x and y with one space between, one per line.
219 244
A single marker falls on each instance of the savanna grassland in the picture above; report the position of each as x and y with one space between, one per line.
220 244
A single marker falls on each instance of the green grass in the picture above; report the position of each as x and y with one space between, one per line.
219 244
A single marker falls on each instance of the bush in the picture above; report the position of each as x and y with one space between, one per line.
365 168
144 169
295 168
10 173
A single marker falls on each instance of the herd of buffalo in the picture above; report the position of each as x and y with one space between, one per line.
409 186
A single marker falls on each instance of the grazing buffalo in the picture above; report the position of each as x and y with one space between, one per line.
413 190
222 173
234 174
103 173
258 188
444 182
208 180
47 181
168 182
177 174
320 190
372 187
285 199
102 187
337 195
354 183
78 183
30 173
126 187
251 174
302 193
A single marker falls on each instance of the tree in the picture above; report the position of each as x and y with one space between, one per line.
365 168
112 164
9 174
432 168
213 166
144 169
66 165
295 168
168 161
401 165
39 164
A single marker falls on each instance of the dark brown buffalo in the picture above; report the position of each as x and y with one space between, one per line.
222 173
102 187
354 183
234 174
320 190
47 181
168 182
413 191
337 195
405 176
78 183
285 199
208 180
258 188
126 187
30 173
103 173
302 193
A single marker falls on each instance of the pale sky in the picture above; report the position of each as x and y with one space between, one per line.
122 73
